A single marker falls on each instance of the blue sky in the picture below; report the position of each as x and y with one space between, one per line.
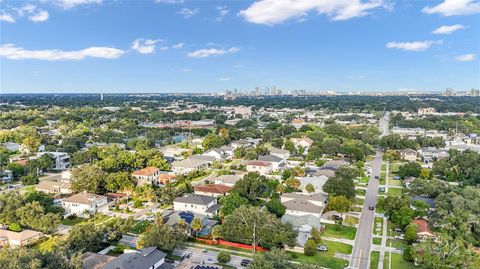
210 46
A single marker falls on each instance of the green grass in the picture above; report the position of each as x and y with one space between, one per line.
378 220
384 167
47 245
364 179
359 201
377 240
351 220
72 222
394 182
393 167
140 227
339 231
379 205
397 262
360 192
374 259
327 259
394 191
397 243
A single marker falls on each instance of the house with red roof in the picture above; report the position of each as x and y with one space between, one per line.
423 230
214 190
152 175
262 167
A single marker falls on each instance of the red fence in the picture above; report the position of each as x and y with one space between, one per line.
230 244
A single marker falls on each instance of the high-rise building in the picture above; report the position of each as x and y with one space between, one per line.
449 92
258 91
475 92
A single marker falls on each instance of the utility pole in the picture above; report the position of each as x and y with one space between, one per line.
254 236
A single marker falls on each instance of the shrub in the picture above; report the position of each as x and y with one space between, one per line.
223 257
137 204
310 248
407 254
15 227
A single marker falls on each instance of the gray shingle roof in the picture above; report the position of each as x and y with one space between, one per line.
195 199
143 259
270 158
303 205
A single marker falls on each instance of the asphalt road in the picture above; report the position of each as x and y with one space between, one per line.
363 239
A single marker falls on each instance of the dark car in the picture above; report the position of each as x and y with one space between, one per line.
245 262
371 207
336 217
376 177
322 248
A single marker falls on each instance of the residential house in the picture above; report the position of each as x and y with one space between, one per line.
316 181
244 111
277 162
201 204
281 153
95 261
55 187
430 154
214 190
219 153
324 172
11 146
172 218
298 204
262 167
241 143
84 204
334 164
408 132
303 142
18 239
423 229
408 154
61 159
145 258
188 165
6 175
148 175
227 180
298 123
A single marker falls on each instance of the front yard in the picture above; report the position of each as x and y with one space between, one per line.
339 231
326 259
397 262
140 227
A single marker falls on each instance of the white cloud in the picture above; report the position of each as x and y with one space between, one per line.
203 53
41 16
67 4
222 12
466 57
28 8
144 46
413 46
454 7
169 1
9 51
187 12
178 46
187 70
224 79
447 29
7 18
272 12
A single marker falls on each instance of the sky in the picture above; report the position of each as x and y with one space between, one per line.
80 46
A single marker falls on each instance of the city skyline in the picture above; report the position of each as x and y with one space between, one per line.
210 46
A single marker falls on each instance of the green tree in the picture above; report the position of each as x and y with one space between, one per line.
310 248
276 207
410 169
315 235
411 233
196 225
164 237
340 204
443 253
231 202
84 237
309 188
89 178
15 227
30 179
270 232
212 141
120 181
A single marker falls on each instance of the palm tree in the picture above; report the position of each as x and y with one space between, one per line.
196 225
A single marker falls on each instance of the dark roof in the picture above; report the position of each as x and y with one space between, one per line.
143 259
270 158
195 199
213 208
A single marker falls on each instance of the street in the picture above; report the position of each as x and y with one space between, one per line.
361 249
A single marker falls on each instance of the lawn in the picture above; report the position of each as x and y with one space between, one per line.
374 258
397 243
397 262
339 231
359 201
326 259
378 226
351 220
393 167
72 222
394 182
364 179
47 245
140 227
379 205
360 192
384 167
394 191
377 240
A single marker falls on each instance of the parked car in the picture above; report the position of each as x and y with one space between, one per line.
371 207
397 230
245 262
337 217
376 177
322 248
400 236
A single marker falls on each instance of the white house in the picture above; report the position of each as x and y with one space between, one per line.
408 155
188 165
277 162
302 142
200 204
148 175
62 159
262 167
83 204
298 204
282 153
228 180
